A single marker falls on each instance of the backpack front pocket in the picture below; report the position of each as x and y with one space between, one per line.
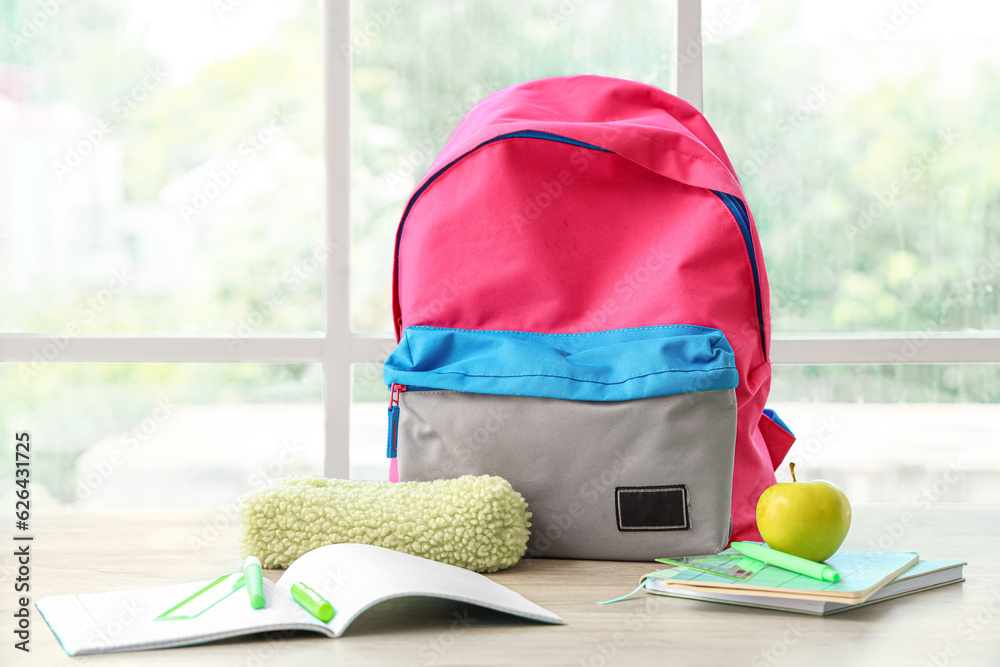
620 441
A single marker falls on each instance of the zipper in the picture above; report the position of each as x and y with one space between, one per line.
736 207
734 204
390 445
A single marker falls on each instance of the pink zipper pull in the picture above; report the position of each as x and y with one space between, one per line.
394 391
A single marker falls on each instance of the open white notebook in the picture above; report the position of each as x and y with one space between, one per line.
352 577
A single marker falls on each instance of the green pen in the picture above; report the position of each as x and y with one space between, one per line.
253 576
788 562
312 602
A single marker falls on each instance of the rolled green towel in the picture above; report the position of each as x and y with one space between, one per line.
479 523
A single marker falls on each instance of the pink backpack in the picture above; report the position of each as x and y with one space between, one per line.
582 308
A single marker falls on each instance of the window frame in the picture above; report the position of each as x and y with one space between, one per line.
338 347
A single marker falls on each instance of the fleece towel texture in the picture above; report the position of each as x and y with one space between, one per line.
479 523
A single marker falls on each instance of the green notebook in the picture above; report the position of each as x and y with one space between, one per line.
862 574
923 576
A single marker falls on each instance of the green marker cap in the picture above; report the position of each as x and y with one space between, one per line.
312 602
253 576
809 568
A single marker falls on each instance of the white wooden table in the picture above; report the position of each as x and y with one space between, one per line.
91 551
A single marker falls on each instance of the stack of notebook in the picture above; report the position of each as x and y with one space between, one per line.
866 577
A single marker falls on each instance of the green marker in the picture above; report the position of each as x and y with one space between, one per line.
787 561
253 576
311 601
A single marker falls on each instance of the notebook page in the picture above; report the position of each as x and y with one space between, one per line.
799 604
123 620
928 567
354 577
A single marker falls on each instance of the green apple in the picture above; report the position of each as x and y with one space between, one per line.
805 519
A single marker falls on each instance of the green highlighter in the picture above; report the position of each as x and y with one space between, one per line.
312 602
788 562
253 578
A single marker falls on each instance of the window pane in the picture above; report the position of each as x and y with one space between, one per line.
161 166
863 133
369 421
142 435
901 433
419 66
883 433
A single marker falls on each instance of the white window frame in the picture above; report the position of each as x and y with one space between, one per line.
337 348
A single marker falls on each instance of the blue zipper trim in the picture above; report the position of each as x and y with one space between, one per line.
548 136
773 416
390 445
735 206
616 365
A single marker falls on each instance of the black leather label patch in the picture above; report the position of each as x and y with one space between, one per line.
651 507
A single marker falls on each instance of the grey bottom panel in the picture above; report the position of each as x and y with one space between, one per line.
627 480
